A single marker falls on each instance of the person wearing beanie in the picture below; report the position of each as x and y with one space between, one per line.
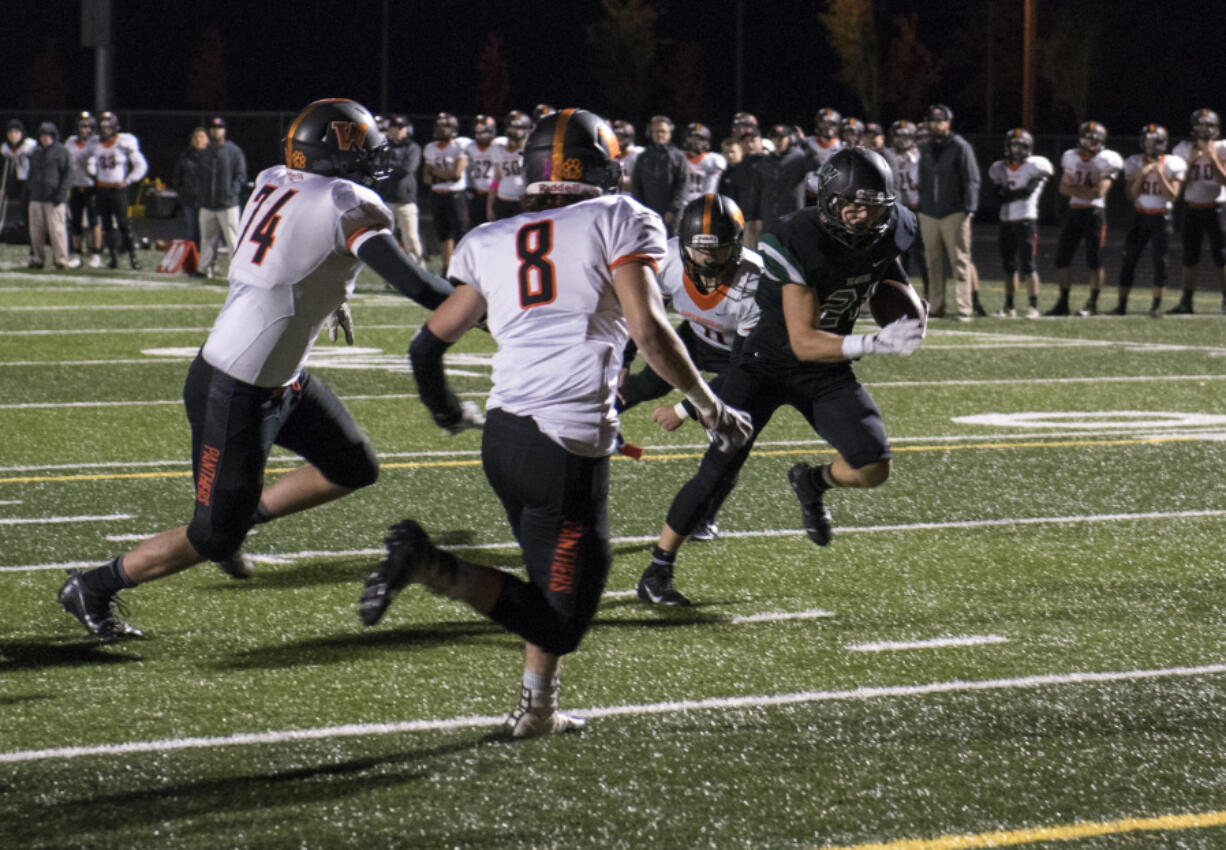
47 189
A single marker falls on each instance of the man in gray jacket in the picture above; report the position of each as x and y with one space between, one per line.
660 175
948 197
400 187
223 173
47 189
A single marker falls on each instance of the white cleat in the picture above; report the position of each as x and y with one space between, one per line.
1032 312
537 714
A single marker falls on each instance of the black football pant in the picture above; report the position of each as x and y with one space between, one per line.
113 210
1146 227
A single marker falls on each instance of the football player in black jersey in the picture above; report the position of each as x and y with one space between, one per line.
822 263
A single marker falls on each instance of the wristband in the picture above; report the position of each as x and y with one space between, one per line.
857 345
704 401
681 410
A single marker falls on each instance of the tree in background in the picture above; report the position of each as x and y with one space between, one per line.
494 86
1065 51
912 72
45 84
852 31
206 76
624 45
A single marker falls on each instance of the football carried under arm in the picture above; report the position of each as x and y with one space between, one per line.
903 317
664 352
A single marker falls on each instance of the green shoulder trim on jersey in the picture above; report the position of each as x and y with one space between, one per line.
781 264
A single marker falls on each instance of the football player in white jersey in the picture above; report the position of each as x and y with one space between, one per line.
702 166
1205 195
117 164
1019 179
562 287
1154 178
710 279
445 171
305 233
903 155
507 188
627 150
82 203
1087 172
481 173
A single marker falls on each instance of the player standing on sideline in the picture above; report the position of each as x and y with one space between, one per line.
1154 179
821 264
710 279
117 163
481 168
82 203
563 287
507 188
627 150
1205 194
305 233
1019 179
903 156
446 173
1087 172
704 167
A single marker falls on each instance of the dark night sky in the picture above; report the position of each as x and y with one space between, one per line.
1157 61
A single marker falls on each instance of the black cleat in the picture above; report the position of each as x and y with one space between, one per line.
978 310
411 557
656 586
815 515
99 614
1090 309
135 263
1183 308
1121 309
235 566
1060 309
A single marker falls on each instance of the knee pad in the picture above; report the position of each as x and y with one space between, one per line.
353 466
212 542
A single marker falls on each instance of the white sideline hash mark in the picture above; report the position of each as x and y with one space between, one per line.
57 519
352 730
287 557
934 643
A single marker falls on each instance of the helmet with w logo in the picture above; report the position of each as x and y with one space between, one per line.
337 137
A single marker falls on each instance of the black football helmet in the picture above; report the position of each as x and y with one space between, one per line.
826 124
851 131
710 235
1206 126
624 131
87 124
902 136
1019 144
517 125
485 128
573 152
1154 140
337 137
855 177
540 111
446 127
697 138
1091 137
108 124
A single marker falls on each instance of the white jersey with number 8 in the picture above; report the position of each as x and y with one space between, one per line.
547 279
295 262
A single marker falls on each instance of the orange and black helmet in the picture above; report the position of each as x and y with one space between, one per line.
1205 124
572 152
337 137
710 236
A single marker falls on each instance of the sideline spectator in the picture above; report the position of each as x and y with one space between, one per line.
221 189
661 174
187 179
16 152
47 189
948 198
399 190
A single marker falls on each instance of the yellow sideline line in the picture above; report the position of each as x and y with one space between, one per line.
440 464
1067 832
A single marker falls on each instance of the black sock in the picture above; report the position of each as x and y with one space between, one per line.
822 479
661 558
108 580
1033 301
1008 302
1063 301
975 300
1094 297
1188 295
1157 302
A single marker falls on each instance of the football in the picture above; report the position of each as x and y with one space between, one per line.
893 300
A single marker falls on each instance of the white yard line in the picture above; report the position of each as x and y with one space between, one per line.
934 643
750 702
52 520
316 554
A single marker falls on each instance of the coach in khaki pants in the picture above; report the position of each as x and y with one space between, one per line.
948 197
47 187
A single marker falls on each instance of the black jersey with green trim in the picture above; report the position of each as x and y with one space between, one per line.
798 250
